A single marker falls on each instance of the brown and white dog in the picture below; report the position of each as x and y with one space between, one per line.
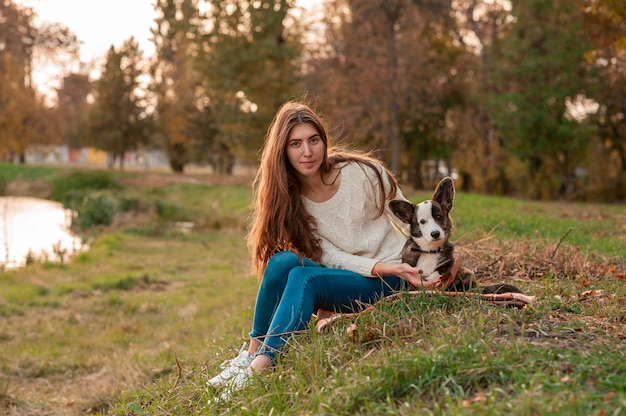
429 247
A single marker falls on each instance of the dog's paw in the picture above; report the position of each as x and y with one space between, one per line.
463 281
433 277
467 277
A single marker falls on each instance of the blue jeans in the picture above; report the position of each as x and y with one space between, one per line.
293 288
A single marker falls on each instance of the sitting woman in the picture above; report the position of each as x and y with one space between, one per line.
320 237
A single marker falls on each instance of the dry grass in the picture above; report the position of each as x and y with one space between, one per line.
523 261
137 324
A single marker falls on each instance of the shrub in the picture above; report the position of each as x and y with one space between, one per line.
88 195
130 203
93 210
165 211
68 188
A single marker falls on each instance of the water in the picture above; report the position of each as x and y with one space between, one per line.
35 228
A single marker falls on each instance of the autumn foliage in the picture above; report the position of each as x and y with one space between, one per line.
515 97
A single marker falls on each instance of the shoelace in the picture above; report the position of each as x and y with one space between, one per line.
229 362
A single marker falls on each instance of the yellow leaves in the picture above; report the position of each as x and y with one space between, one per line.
353 332
363 334
478 398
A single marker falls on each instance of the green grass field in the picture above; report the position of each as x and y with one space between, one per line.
137 324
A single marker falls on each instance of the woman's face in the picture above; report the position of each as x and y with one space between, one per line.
305 149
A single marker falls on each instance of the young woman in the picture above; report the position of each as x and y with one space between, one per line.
320 237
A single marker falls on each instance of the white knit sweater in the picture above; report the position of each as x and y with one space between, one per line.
352 236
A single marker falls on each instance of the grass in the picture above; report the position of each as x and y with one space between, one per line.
597 227
13 172
138 323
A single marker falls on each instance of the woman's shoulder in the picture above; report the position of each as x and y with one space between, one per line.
371 170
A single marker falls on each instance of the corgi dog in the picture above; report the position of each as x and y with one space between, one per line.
429 247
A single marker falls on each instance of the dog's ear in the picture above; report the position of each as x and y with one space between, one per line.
444 194
402 209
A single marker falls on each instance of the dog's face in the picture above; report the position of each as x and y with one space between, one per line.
429 220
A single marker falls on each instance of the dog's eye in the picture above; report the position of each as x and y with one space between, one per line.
422 221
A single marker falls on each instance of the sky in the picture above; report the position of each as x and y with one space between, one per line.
98 24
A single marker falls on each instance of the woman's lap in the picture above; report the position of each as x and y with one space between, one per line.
296 288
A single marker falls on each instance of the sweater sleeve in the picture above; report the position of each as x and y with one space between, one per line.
336 258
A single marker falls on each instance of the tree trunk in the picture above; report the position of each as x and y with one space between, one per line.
415 173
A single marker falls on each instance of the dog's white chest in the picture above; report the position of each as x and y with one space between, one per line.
428 263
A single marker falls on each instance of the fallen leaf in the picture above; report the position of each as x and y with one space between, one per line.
353 332
479 398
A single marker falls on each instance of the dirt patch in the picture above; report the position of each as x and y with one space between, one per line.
40 188
32 188
160 179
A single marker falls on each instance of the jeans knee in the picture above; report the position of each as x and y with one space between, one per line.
284 257
279 266
282 262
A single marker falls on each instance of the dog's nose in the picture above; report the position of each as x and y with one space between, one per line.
435 234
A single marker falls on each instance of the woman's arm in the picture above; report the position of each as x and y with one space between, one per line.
333 256
353 235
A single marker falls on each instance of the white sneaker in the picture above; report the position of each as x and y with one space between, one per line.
235 384
231 368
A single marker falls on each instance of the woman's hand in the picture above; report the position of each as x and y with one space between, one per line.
413 275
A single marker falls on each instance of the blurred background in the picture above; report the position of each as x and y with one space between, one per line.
524 98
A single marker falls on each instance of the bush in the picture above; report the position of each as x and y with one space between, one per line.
67 189
88 195
131 203
93 210
165 211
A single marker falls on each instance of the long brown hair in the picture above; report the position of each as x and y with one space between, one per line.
279 219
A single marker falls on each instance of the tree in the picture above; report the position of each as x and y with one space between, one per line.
432 85
72 107
605 24
17 97
184 114
249 69
379 74
24 118
357 71
540 70
479 26
55 43
117 123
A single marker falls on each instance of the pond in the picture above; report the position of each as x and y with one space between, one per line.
34 229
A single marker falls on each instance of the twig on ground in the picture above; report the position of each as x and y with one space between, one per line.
493 262
180 375
560 241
